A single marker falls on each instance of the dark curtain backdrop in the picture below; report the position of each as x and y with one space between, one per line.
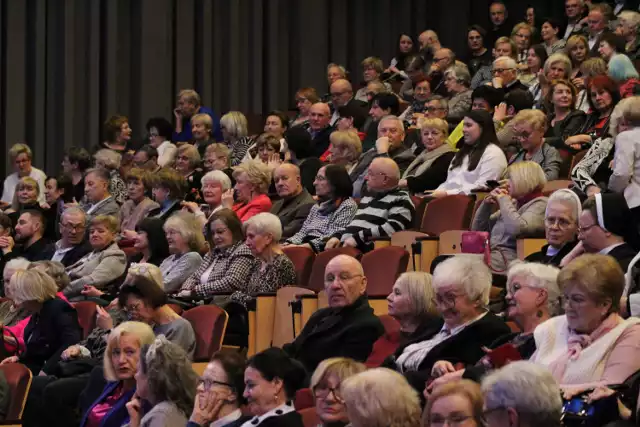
65 65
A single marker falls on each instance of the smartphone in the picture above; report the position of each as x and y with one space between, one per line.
492 183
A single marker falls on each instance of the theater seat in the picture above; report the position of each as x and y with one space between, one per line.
86 316
528 246
302 259
309 417
304 399
382 267
555 185
209 323
316 280
18 378
387 344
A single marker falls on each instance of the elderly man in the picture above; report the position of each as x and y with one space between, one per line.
341 96
21 155
348 327
443 58
505 75
72 246
390 143
31 244
295 202
188 105
387 210
628 27
96 191
428 42
522 394
319 128
597 25
500 27
573 10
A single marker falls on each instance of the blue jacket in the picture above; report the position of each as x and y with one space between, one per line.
117 415
185 135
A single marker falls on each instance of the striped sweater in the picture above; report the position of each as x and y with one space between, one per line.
379 215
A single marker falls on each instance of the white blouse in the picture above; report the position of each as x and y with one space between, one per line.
490 167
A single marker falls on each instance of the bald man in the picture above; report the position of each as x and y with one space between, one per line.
348 327
295 201
319 128
442 59
386 210
342 96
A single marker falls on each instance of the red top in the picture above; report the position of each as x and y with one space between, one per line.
260 204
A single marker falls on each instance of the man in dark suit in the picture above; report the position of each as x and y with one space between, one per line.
505 75
319 128
295 202
73 245
342 95
597 25
348 327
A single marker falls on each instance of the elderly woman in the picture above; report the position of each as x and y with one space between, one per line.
104 264
529 127
26 196
201 130
372 69
561 227
116 134
550 34
160 132
187 162
624 73
160 364
138 204
229 263
457 81
219 392
186 241
53 325
271 380
235 133
252 183
110 160
589 345
267 146
521 207
20 156
121 360
458 403
461 285
369 401
333 212
478 159
563 118
10 313
217 157
346 149
421 95
305 98
591 175
325 384
168 190
557 66
214 185
429 169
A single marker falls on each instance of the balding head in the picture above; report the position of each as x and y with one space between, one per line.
344 281
383 175
287 179
341 92
319 116
429 39
444 58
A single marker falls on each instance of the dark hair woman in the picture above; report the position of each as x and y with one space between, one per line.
151 242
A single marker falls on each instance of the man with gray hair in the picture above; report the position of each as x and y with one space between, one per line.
522 394
188 104
505 75
73 245
295 202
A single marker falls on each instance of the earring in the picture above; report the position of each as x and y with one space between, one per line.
539 313
275 398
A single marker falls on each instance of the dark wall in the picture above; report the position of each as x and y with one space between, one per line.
65 65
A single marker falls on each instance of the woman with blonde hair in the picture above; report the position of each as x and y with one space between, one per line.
252 183
138 204
26 197
235 133
305 98
370 403
188 162
557 66
529 128
459 403
20 156
521 206
429 169
111 161
577 49
201 131
345 149
325 385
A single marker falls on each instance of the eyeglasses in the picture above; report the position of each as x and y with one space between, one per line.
322 392
208 383
72 227
433 109
448 299
320 178
343 277
561 223
453 420
500 70
583 230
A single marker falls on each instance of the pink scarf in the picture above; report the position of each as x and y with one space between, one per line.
576 343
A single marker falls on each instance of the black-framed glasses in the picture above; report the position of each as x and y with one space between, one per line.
208 383
322 392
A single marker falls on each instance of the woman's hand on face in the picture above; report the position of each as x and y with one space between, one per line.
134 408
442 367
206 409
10 359
91 291
103 319
227 198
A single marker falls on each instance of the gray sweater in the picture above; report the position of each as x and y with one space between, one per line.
179 332
507 225
176 269
163 414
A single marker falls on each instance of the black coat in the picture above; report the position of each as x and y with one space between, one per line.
290 419
623 254
41 250
293 212
541 257
320 143
571 125
465 347
75 254
48 334
337 332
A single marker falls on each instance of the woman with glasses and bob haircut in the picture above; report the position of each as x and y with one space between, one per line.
457 404
325 384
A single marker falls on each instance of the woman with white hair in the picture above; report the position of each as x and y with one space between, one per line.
186 241
274 269
10 313
524 391
461 285
110 160
380 398
560 227
628 25
533 297
557 66
457 80
214 185
521 208
234 127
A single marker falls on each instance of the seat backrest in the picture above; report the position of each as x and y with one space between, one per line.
557 184
382 267
86 316
387 344
420 204
309 417
302 259
304 399
283 332
447 213
316 281
209 323
18 378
